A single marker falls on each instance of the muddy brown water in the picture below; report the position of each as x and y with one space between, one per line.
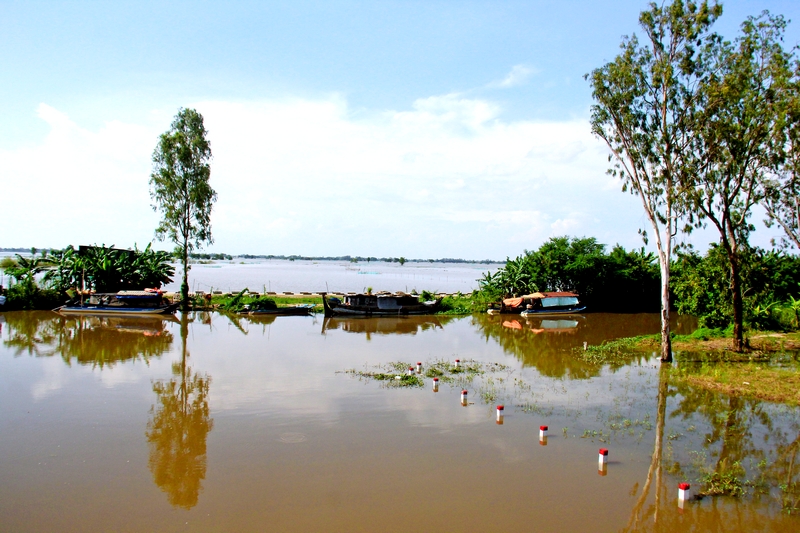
216 423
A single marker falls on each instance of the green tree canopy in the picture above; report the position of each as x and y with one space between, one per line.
737 136
642 99
180 189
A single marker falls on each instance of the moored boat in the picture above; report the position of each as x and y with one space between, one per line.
540 303
293 310
122 303
378 305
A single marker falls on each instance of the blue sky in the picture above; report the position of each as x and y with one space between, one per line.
423 129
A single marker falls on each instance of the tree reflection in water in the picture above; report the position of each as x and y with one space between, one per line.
178 429
750 444
99 341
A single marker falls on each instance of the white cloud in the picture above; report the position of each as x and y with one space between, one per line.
446 178
519 75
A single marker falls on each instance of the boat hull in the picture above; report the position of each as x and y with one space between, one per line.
547 312
282 311
332 309
105 310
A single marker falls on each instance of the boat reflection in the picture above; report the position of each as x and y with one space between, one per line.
538 325
409 325
546 342
89 340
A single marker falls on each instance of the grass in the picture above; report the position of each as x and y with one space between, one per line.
221 301
725 481
446 371
614 352
760 380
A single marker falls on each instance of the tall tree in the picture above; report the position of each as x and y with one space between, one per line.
737 130
180 190
640 111
781 192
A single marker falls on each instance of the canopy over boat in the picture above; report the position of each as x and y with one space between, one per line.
548 299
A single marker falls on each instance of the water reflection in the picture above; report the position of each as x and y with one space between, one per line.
544 342
410 325
88 340
744 462
178 430
655 470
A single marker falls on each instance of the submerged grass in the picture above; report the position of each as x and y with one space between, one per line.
614 352
395 374
760 380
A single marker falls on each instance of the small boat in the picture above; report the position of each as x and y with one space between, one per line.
122 303
540 303
294 310
378 305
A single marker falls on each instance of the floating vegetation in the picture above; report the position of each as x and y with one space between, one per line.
617 352
724 482
396 373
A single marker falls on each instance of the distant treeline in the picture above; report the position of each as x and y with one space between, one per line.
358 259
351 258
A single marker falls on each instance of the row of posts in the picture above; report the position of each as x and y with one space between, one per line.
684 489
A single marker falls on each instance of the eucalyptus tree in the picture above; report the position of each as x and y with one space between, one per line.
640 111
738 134
180 189
781 191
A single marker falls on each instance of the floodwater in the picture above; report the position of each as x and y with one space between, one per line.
216 423
278 275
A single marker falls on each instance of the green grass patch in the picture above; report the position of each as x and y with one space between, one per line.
614 352
395 374
764 380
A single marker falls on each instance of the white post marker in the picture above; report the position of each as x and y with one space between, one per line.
435 384
419 367
684 493
602 458
464 397
410 371
543 435
458 363
500 409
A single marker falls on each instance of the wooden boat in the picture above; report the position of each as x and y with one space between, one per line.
540 303
378 305
294 310
122 303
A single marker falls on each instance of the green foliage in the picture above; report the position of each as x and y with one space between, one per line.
244 302
105 269
618 281
102 269
29 296
179 187
701 287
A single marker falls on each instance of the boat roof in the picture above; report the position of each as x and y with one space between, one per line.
139 293
538 295
379 295
516 302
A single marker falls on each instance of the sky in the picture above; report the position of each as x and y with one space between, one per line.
419 129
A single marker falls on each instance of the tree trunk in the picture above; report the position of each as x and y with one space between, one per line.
666 342
185 283
738 306
656 459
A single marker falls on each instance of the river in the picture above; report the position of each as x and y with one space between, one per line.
278 275
218 423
